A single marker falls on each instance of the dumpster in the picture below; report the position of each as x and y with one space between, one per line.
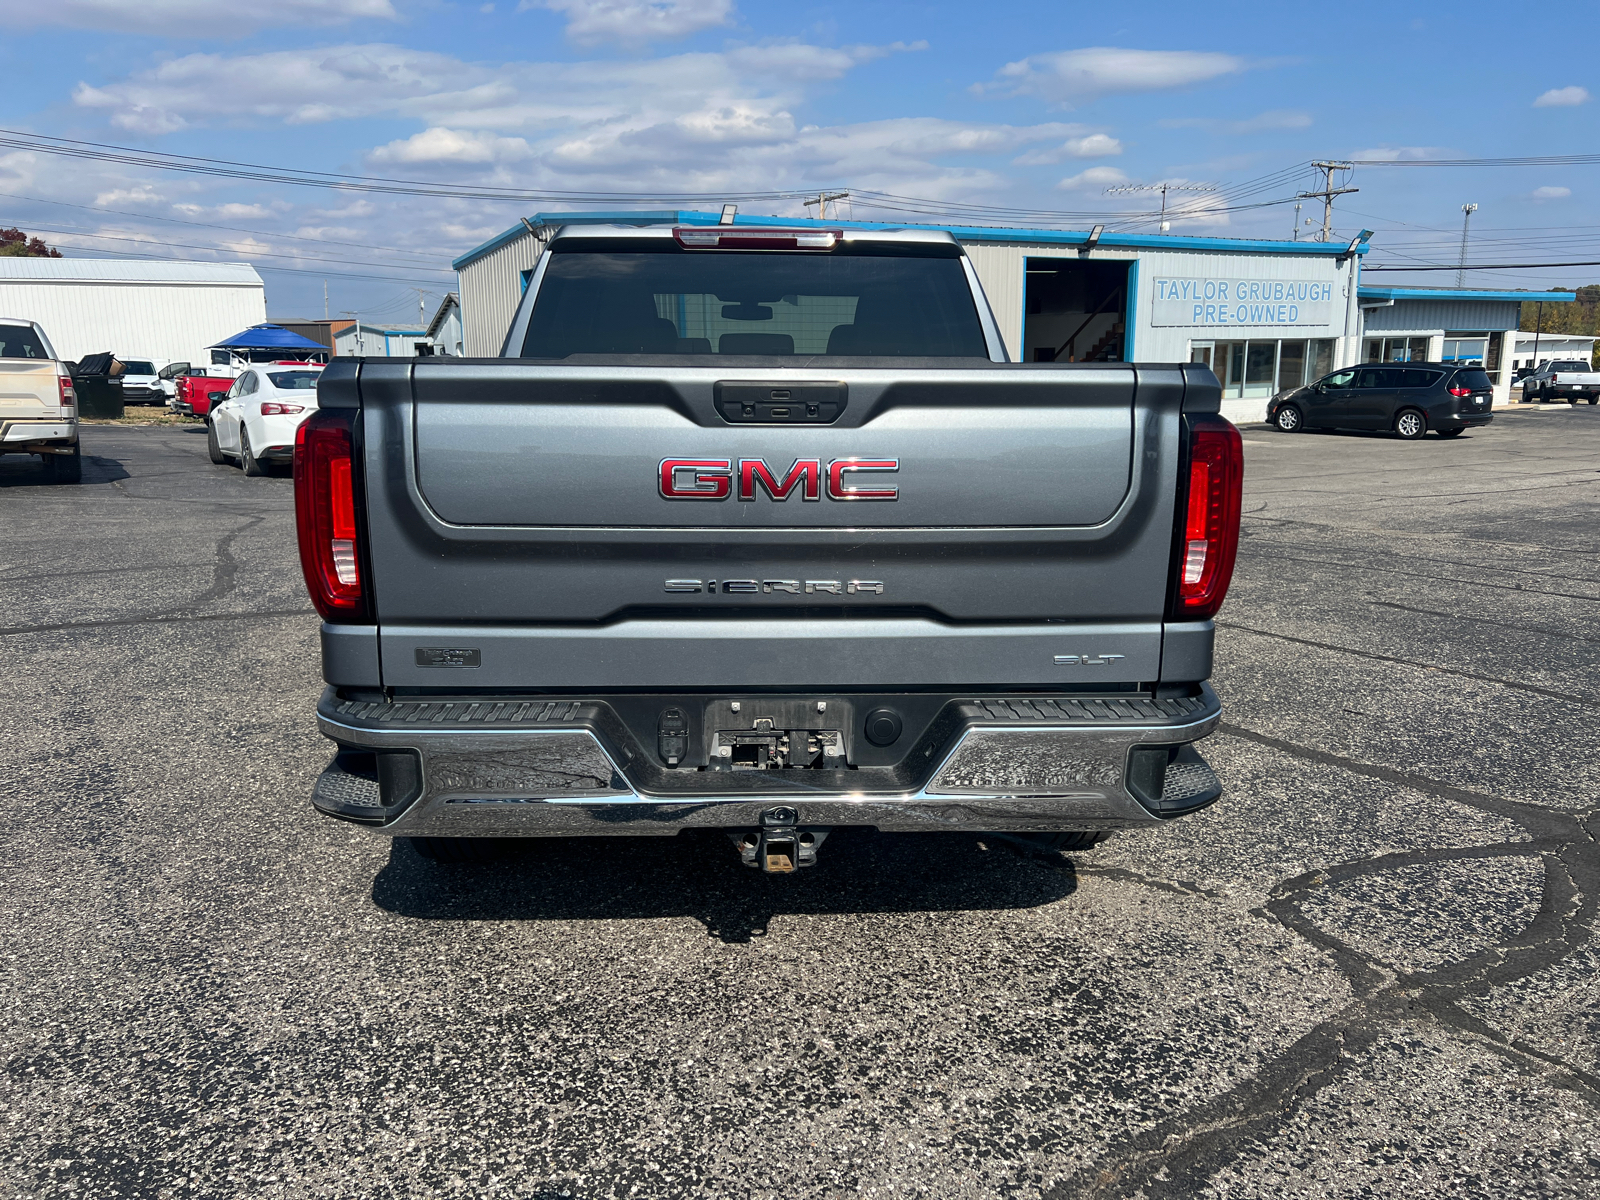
97 380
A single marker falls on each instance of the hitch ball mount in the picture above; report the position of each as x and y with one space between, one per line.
781 844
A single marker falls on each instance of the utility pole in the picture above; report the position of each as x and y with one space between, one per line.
822 202
324 299
1461 267
1295 236
1327 194
1538 326
1163 188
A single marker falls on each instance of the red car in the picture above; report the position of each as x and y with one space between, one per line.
197 393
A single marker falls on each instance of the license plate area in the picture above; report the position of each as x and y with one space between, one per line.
777 735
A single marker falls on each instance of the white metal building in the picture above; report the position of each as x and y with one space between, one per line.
1530 350
1264 315
377 341
149 309
444 330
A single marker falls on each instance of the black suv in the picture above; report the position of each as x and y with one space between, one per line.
1406 398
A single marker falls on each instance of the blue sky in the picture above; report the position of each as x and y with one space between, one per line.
1012 104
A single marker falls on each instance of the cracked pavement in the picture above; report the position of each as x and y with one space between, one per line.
1366 972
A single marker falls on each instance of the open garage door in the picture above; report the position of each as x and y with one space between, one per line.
1076 310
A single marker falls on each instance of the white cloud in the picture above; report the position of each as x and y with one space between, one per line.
1562 97
1069 77
1551 193
438 145
1094 177
140 196
1089 145
189 18
635 22
702 97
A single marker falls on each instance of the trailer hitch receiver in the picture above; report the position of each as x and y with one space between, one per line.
781 844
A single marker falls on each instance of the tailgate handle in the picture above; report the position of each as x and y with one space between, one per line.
768 403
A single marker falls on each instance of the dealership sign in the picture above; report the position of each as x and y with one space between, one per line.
1220 302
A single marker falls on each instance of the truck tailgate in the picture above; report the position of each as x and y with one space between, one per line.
517 510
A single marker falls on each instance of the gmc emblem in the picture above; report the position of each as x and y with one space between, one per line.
714 478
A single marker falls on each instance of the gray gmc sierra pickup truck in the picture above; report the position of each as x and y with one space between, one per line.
756 529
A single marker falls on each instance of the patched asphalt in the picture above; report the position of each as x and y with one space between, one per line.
1366 972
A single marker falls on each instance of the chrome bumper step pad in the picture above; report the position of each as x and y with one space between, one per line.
540 767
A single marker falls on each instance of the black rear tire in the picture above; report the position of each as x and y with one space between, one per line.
212 449
1451 432
463 851
251 464
64 468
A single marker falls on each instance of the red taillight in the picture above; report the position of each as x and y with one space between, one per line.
325 516
1458 390
270 409
1210 526
69 398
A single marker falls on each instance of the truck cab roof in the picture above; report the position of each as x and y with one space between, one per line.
933 243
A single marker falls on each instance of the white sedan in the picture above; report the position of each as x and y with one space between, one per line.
256 424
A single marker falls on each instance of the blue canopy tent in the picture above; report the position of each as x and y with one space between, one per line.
262 342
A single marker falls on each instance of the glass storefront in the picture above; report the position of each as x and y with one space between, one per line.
1259 368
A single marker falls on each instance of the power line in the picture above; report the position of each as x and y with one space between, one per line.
231 169
1534 160
207 225
1483 266
109 237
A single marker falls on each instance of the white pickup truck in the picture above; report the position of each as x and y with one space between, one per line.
38 408
1569 379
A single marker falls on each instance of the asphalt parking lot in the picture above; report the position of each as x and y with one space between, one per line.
1366 972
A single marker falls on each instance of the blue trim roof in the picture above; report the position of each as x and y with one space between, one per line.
1419 293
967 233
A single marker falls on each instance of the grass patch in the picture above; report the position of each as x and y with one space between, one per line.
141 414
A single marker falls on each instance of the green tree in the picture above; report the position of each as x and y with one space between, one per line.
16 244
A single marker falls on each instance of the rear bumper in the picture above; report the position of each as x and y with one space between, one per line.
537 767
1467 420
34 436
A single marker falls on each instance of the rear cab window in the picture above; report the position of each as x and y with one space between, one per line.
20 341
725 302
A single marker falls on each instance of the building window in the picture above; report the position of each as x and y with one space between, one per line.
1256 369
1397 349
1491 363
1465 348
